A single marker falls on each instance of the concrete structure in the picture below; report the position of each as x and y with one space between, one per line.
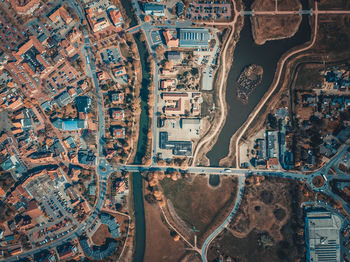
322 236
153 9
271 143
174 56
179 148
194 37
70 124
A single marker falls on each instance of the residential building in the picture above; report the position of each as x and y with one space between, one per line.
98 20
118 132
116 17
61 14
117 114
26 7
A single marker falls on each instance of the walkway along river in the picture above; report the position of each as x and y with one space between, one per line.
139 212
247 52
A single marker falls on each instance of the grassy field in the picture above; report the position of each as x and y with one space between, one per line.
101 234
160 245
307 72
198 204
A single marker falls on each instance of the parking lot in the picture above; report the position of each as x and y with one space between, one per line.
110 56
209 10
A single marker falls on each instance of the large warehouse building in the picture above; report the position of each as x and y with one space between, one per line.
194 37
322 236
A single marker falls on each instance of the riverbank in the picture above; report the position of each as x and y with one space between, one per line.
226 59
137 181
269 99
267 28
247 52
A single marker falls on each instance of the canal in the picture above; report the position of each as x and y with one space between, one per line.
127 5
137 185
246 53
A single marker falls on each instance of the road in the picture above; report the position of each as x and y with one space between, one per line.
218 230
296 12
104 169
221 89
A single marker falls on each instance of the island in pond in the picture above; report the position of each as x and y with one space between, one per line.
248 80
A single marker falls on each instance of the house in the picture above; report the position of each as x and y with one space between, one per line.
118 132
117 98
116 17
61 14
119 71
117 114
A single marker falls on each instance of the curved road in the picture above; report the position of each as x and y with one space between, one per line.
218 230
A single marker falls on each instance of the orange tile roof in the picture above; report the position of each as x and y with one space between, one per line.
15 104
170 41
33 41
116 17
28 8
61 13
2 192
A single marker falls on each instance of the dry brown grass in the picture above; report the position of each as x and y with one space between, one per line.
101 234
160 246
199 205
265 208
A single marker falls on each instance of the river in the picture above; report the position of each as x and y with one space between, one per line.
137 185
246 53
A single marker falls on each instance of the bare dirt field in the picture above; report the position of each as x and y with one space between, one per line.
101 234
160 246
269 225
198 204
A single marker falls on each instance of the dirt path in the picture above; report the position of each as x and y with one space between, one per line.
221 87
